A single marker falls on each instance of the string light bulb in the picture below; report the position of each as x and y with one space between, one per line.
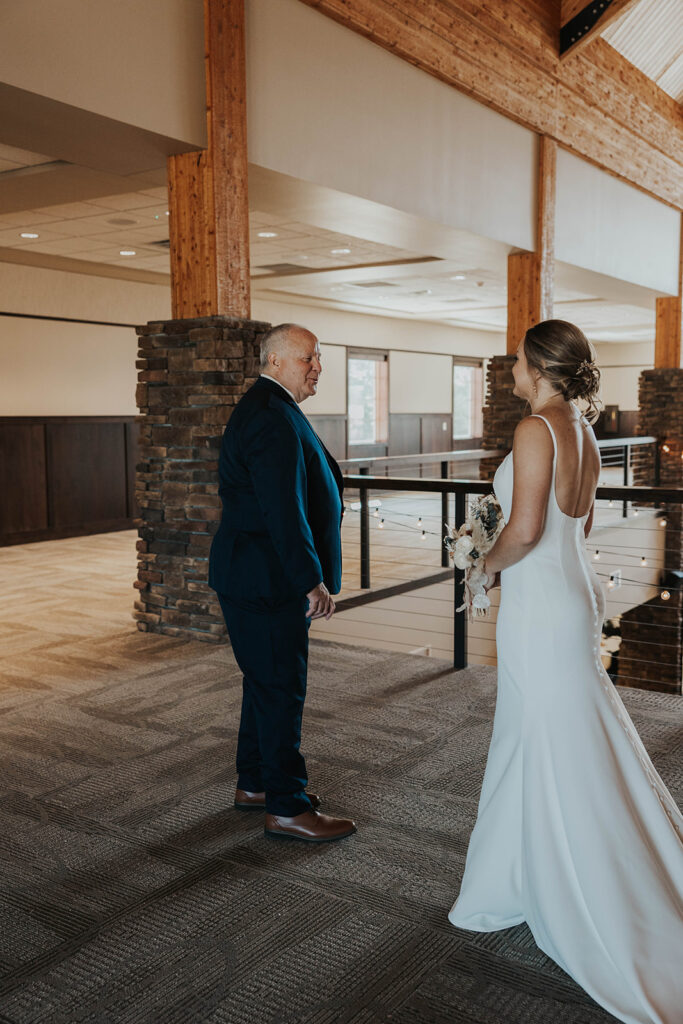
643 560
611 503
419 521
596 556
665 448
376 513
635 511
665 595
610 583
662 522
380 525
424 535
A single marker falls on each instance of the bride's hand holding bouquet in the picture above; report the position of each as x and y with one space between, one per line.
468 548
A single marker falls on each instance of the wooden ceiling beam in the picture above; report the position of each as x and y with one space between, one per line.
580 21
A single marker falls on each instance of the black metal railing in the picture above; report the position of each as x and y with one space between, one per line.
614 452
462 490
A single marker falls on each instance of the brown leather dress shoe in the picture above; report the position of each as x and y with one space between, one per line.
311 827
246 801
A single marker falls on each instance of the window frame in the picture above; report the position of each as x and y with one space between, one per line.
476 416
369 355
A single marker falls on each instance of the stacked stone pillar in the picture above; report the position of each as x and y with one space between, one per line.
191 375
658 622
502 412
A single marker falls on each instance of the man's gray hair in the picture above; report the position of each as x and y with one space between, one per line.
276 338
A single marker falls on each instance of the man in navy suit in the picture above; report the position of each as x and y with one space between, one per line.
274 563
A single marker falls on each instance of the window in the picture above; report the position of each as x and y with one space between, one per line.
468 398
368 398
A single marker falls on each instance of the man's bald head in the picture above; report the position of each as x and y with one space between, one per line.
290 354
278 339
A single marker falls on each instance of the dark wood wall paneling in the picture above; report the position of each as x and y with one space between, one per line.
436 432
66 475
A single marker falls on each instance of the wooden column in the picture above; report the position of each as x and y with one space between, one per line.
208 201
668 323
531 274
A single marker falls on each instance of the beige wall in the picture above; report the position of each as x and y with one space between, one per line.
420 383
620 368
329 107
363 330
331 397
50 368
36 291
605 225
138 63
417 382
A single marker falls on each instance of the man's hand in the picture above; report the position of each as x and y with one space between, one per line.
320 603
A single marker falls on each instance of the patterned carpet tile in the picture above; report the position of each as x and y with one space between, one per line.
132 892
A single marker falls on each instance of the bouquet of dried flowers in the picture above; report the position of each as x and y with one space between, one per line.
468 548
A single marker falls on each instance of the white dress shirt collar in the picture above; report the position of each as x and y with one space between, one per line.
268 377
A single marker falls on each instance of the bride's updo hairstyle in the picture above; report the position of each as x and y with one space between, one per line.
562 354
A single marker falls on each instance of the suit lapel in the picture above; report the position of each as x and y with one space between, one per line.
276 389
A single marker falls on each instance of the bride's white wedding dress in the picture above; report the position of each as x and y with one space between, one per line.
576 833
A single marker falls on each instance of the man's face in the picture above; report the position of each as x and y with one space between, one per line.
297 364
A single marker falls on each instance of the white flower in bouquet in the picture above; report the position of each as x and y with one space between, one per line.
468 548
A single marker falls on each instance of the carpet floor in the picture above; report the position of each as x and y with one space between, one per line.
133 893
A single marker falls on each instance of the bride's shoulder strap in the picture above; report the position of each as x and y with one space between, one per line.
537 416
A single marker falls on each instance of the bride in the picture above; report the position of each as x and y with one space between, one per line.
576 833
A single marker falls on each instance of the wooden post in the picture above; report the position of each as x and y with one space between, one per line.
208 201
531 274
668 323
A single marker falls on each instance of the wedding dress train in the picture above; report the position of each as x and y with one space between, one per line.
576 833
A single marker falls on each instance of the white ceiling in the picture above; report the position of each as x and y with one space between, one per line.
452 278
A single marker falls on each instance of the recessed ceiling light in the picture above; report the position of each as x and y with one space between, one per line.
267 234
126 252
29 234
340 252
458 277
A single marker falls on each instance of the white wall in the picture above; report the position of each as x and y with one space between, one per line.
420 383
139 63
328 106
420 365
53 368
363 330
331 397
608 226
620 369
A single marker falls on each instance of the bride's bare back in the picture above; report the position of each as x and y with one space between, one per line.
578 461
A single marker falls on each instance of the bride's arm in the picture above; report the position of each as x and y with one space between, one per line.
532 457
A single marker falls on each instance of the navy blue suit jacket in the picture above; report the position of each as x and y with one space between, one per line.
279 535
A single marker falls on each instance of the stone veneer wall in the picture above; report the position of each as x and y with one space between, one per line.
656 621
192 373
502 412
